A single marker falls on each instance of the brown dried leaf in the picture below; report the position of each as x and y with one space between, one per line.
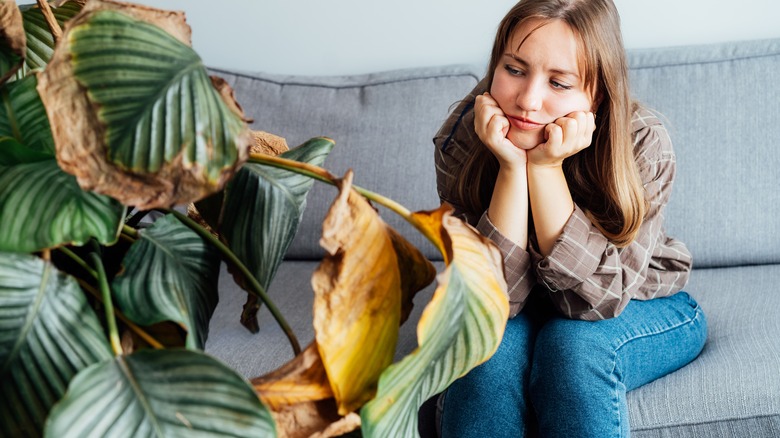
79 133
301 400
173 22
303 379
313 420
416 271
12 34
268 144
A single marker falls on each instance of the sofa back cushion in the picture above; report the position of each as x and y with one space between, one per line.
721 105
383 125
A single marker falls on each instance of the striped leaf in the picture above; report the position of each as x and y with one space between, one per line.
160 393
459 329
43 207
48 333
23 117
263 207
157 132
12 39
170 273
40 43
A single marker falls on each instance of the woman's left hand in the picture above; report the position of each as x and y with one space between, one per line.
565 137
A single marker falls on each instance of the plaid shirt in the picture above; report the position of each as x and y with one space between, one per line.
585 275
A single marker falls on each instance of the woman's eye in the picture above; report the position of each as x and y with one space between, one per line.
560 86
513 71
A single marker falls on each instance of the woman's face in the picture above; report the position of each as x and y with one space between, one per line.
539 81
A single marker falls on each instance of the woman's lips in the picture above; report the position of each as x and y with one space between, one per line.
524 124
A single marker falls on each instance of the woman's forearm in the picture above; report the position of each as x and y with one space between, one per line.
508 209
551 204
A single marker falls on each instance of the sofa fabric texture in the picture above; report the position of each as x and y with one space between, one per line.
720 103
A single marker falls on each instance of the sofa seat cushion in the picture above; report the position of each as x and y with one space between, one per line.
733 387
253 355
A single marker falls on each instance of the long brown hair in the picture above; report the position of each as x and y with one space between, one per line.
603 178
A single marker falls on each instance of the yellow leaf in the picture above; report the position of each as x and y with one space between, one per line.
459 329
303 379
358 296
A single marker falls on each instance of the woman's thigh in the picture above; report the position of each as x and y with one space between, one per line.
587 367
491 399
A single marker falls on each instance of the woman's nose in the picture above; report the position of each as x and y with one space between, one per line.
529 97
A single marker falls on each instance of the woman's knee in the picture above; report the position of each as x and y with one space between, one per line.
570 354
512 358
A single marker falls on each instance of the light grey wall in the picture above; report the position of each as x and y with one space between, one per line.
319 37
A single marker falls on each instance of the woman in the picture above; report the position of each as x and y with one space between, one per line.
549 158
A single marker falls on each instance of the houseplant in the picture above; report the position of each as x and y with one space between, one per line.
104 312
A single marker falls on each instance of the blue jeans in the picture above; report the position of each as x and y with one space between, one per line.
558 377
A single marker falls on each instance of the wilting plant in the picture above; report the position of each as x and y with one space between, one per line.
107 115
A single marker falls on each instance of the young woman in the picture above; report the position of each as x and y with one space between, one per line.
550 159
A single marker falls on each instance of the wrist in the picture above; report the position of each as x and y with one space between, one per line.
547 168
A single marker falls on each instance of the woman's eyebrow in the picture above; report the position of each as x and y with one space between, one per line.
523 63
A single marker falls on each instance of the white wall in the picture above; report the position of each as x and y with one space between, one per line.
321 37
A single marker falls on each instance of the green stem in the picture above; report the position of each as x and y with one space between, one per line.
255 286
113 332
130 231
323 175
79 261
130 324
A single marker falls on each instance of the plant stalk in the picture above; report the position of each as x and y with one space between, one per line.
154 343
113 332
54 27
255 286
86 286
323 175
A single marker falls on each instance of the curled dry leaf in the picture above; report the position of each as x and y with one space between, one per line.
303 379
301 400
358 295
12 36
177 144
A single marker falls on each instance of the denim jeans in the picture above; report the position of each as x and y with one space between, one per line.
558 377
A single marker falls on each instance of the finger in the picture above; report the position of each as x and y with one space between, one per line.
569 131
497 128
554 135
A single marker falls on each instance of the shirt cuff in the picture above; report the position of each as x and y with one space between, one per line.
574 256
517 265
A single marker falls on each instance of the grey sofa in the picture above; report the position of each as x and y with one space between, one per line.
721 104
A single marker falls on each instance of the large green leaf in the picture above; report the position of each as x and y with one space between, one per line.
40 43
154 131
160 393
43 207
459 329
23 117
170 273
48 333
263 207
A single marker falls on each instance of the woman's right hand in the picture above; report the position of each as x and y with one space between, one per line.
492 126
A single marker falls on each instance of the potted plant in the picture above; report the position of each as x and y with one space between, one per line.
108 115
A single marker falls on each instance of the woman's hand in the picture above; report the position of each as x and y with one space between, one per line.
565 137
492 126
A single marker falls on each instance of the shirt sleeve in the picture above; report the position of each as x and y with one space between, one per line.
454 142
590 278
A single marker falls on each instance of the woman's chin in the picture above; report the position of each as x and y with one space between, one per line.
526 140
